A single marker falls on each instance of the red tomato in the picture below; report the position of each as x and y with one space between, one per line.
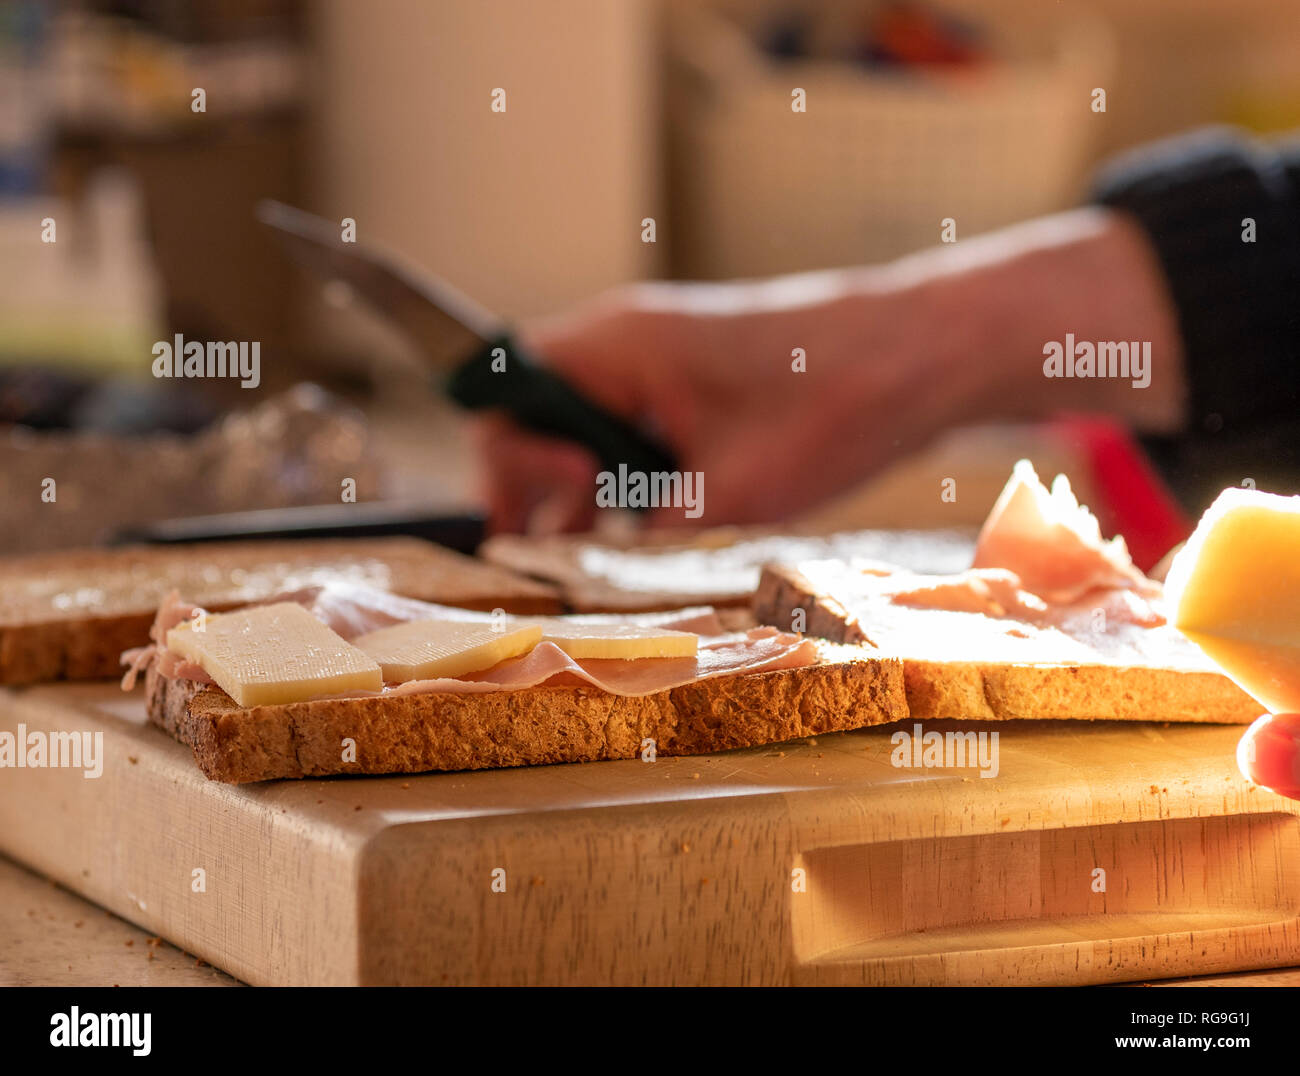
1269 754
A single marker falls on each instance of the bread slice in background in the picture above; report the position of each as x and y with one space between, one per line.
69 615
719 566
966 666
848 689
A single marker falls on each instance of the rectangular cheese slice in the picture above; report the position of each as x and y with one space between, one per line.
627 641
272 654
431 649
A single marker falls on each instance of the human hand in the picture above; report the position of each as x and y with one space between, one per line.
891 356
1269 754
779 394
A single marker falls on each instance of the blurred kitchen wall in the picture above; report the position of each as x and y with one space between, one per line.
526 210
1184 63
974 110
381 111
1180 63
535 207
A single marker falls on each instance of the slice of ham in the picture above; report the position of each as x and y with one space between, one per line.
993 592
136 660
1052 543
1040 560
1000 595
171 612
175 667
354 609
758 650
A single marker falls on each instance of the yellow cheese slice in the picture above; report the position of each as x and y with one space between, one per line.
272 654
627 641
1234 590
429 649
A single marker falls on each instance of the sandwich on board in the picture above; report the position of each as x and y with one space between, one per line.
358 681
1050 622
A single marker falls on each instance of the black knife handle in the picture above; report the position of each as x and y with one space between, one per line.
544 402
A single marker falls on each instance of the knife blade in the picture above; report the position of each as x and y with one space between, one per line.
483 364
462 531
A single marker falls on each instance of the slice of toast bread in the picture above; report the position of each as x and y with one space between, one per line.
848 689
69 615
718 567
967 666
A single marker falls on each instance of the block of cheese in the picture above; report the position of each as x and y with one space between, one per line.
1234 591
429 649
266 655
627 641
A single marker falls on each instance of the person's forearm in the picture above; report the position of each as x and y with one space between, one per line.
1029 304
787 391
972 326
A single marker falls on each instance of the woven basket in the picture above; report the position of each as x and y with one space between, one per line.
877 161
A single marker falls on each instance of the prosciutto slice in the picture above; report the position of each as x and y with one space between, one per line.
758 650
1052 543
171 612
352 609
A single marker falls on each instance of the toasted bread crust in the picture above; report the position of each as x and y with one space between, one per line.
534 726
85 649
940 688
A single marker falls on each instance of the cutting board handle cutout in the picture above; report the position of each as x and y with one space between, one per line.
910 910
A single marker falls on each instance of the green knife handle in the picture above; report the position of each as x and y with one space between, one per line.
540 400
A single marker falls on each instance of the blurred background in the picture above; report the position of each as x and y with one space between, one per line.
617 111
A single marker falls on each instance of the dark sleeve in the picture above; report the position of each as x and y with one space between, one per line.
1238 301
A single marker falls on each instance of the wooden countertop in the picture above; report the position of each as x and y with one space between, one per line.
50 937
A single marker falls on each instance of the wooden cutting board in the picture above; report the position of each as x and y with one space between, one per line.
810 863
